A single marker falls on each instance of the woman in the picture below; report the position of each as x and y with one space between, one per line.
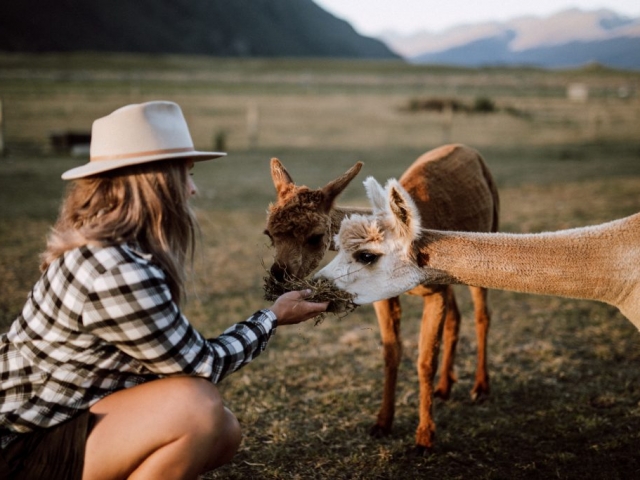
101 376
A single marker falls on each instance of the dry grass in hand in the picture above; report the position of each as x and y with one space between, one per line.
340 302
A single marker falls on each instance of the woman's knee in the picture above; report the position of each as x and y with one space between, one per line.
209 431
198 402
205 413
212 426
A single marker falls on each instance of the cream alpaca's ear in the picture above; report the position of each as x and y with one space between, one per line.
376 195
404 213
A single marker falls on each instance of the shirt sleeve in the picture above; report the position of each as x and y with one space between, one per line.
130 306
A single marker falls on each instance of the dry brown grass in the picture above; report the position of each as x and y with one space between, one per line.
322 290
565 398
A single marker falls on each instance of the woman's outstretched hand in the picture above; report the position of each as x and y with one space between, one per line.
292 308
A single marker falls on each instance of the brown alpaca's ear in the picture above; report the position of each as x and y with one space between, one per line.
280 176
335 187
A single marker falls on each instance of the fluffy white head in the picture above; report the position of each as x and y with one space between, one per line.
375 259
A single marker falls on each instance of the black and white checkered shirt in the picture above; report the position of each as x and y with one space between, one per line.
100 320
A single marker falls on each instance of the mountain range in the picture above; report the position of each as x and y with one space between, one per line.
240 28
571 38
300 28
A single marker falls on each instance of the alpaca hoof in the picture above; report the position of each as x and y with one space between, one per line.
442 393
378 431
420 451
479 394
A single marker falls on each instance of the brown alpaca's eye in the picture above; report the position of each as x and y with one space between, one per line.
366 258
315 240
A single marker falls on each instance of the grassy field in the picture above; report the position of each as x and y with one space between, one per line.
565 399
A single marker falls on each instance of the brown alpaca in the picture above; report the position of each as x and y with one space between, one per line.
388 251
453 190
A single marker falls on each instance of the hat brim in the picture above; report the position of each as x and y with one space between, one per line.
93 168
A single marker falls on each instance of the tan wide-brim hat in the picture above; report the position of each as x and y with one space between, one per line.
140 133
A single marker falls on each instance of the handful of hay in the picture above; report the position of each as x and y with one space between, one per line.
340 302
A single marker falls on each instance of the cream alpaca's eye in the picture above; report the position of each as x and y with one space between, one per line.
366 258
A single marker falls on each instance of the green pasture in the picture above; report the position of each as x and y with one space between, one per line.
565 374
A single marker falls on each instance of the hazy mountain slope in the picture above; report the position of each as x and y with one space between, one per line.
210 27
617 52
569 38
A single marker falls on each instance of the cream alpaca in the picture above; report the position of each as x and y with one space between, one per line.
454 190
388 252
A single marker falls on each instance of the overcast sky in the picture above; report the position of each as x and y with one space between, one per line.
371 17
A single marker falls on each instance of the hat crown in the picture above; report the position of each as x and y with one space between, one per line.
138 130
136 134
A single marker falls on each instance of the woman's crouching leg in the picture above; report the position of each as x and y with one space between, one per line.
174 428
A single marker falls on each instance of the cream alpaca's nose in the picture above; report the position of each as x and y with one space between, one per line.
323 274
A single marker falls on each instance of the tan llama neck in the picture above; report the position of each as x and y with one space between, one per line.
596 263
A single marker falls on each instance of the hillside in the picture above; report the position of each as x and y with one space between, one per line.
615 52
568 39
250 28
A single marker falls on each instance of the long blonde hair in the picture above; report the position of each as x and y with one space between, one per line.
144 204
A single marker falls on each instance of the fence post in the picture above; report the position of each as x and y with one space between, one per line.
253 120
447 122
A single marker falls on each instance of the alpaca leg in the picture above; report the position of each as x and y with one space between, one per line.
450 342
433 317
388 313
481 386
